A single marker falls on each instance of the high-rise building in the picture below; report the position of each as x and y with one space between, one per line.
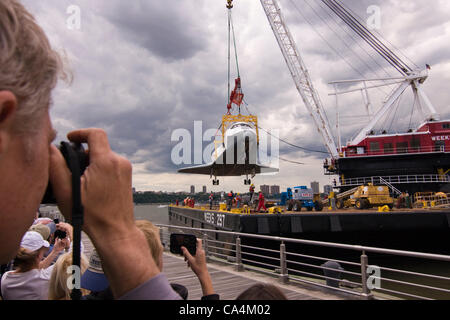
327 189
265 189
204 189
192 189
274 189
315 187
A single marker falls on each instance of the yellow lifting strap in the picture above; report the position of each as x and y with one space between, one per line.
230 4
228 120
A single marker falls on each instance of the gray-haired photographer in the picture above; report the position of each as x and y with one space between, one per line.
30 71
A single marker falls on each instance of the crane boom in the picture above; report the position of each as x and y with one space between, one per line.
299 73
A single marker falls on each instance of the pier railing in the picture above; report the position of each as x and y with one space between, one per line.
432 200
351 274
397 151
405 179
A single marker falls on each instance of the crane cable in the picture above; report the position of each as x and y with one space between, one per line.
385 40
284 141
229 6
235 46
352 37
335 50
367 36
231 32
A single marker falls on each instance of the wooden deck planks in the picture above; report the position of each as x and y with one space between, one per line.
227 282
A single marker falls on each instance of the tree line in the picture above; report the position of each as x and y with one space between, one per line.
156 197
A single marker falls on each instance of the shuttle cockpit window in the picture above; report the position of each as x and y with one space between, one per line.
242 125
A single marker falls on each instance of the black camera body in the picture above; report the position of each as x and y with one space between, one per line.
178 240
72 152
60 234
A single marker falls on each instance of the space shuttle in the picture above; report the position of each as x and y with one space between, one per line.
237 154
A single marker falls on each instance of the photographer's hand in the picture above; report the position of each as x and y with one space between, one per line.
57 248
65 227
59 245
108 211
198 265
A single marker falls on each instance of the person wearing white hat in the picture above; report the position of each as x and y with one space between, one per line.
28 281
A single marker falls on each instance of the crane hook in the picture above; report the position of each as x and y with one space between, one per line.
230 4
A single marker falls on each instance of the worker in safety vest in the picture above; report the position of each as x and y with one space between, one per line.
252 191
238 200
261 202
230 197
211 200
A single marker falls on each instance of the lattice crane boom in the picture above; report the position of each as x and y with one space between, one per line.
299 73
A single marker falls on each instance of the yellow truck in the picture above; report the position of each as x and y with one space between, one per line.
365 197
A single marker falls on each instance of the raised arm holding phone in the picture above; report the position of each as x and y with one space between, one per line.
198 265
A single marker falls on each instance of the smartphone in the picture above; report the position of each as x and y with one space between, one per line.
178 240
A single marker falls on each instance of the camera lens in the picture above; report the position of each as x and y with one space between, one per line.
60 234
81 157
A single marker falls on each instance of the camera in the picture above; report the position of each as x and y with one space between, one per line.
178 240
60 234
72 152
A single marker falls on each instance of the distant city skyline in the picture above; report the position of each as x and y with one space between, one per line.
274 189
315 186
264 189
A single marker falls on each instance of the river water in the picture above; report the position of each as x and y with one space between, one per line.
157 214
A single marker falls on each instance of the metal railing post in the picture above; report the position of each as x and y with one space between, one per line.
205 246
239 265
161 237
364 264
284 277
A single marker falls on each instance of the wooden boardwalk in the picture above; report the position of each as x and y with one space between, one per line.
227 282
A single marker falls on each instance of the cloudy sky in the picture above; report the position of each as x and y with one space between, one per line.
144 68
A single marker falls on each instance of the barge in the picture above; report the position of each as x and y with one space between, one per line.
417 230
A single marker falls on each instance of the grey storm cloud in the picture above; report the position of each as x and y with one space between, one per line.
171 32
145 68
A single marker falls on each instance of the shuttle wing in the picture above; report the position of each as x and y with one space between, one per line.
230 170
220 168
202 169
